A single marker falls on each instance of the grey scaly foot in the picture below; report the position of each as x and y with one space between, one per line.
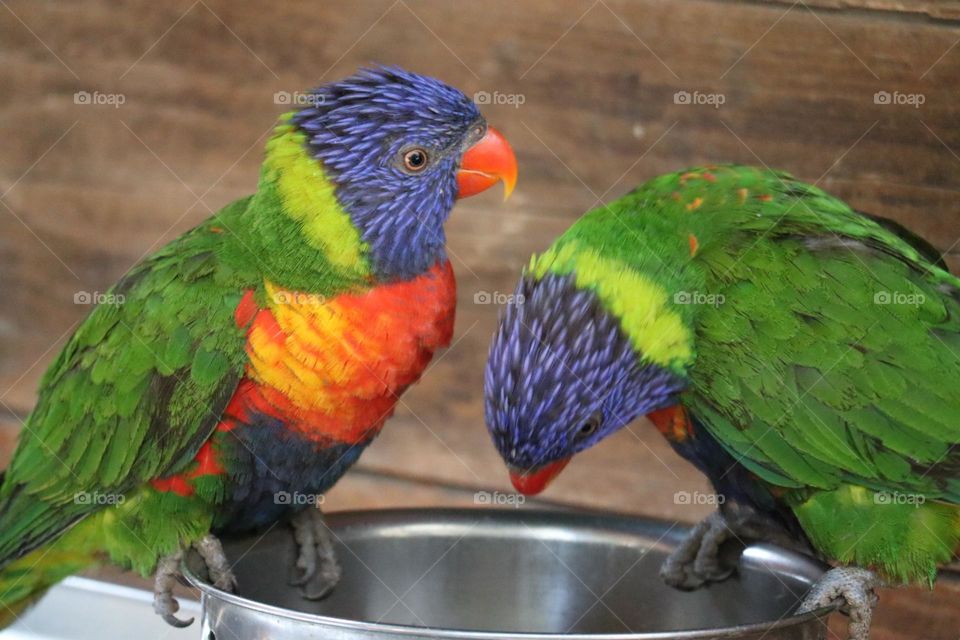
218 567
168 571
696 561
316 558
852 586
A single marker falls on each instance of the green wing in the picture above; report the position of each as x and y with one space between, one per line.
835 355
134 393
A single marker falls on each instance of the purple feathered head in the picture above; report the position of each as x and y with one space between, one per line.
396 144
561 376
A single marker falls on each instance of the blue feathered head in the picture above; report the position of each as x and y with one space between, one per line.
561 376
393 142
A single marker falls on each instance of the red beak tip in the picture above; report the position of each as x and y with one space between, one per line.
521 484
488 161
534 481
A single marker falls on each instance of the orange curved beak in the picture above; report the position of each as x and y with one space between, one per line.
532 482
487 162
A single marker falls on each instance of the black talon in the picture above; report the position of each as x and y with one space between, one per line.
174 621
317 594
303 579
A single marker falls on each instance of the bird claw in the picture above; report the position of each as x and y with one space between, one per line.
852 587
174 621
168 573
322 583
164 604
696 561
218 567
316 559
306 555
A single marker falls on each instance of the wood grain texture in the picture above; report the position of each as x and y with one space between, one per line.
87 189
932 9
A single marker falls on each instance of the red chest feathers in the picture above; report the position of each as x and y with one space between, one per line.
333 369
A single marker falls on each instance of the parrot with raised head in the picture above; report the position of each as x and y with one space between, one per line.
244 367
802 355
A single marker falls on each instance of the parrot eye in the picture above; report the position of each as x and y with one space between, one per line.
415 160
589 426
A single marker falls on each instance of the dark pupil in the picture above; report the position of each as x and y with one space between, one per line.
588 428
416 159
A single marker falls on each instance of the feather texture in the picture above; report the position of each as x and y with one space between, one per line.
820 350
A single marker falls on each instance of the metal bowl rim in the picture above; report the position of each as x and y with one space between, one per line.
209 591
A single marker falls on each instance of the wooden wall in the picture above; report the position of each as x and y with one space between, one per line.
87 189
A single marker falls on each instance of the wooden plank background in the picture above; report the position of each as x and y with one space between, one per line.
87 189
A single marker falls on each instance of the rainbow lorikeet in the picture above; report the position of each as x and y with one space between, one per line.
802 355
242 369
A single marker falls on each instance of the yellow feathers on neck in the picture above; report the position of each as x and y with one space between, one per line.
309 197
643 307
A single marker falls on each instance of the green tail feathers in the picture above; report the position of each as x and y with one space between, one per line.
906 544
26 580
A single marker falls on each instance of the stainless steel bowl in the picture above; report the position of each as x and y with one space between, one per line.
506 574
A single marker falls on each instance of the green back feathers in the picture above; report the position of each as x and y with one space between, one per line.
841 373
133 394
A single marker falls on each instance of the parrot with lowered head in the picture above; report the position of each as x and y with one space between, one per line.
252 359
804 356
